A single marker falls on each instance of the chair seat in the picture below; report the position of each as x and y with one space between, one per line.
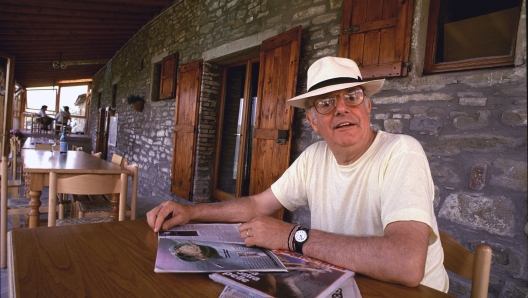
77 221
96 206
23 203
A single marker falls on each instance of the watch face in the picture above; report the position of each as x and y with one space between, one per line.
301 235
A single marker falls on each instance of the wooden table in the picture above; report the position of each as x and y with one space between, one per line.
37 164
117 259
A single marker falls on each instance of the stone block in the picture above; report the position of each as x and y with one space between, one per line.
492 214
444 174
514 118
401 99
473 102
477 180
478 121
513 176
455 144
393 126
424 123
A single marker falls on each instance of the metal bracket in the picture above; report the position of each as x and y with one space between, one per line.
351 30
282 137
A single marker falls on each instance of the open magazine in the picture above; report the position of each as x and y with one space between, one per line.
306 277
211 248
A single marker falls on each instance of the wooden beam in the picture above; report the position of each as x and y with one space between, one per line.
83 6
35 10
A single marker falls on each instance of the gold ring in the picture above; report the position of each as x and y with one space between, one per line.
247 232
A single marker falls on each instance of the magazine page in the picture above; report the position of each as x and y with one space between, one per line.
183 249
214 232
306 277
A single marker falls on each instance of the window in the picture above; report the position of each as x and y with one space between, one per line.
75 98
471 34
37 97
237 127
169 67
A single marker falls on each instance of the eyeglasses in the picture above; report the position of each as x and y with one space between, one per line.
326 103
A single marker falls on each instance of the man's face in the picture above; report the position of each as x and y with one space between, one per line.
346 124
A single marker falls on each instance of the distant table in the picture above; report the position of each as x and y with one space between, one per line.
39 163
30 142
116 259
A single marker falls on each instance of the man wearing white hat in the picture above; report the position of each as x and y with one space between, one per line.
370 193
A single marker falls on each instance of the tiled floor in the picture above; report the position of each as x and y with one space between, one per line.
144 204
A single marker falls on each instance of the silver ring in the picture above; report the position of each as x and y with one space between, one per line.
247 232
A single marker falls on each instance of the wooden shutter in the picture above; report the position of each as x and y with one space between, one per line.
169 65
185 129
279 60
376 34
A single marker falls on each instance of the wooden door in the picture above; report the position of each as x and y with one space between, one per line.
279 60
376 34
185 129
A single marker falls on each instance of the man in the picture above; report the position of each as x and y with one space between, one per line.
45 120
62 118
370 193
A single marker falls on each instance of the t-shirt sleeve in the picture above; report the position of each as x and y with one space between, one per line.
407 189
290 188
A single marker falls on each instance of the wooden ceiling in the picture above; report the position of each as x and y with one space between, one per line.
82 34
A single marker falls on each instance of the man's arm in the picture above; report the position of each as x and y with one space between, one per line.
244 209
398 256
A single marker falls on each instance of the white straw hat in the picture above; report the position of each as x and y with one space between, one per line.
330 74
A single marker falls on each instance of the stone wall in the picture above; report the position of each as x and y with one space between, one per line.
472 124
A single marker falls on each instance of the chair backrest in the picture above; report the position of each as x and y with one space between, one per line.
97 154
117 159
462 262
75 148
87 184
134 170
43 147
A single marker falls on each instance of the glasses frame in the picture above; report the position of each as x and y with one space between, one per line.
344 94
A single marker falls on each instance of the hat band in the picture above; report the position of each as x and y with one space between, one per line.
334 81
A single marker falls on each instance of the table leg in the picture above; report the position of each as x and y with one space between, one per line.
34 204
115 206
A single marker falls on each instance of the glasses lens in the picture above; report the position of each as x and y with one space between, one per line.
324 105
353 97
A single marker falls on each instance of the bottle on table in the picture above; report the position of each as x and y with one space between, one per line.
63 141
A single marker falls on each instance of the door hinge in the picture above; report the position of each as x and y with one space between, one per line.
351 30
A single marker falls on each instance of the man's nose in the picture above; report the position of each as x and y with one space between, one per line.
340 104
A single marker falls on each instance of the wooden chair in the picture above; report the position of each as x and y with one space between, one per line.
88 209
88 184
117 159
15 155
462 262
97 154
48 147
13 207
75 148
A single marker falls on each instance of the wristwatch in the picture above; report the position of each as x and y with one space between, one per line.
301 236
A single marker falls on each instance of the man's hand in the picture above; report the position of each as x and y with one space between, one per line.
266 232
168 214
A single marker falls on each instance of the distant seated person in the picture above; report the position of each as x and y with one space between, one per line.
45 120
63 117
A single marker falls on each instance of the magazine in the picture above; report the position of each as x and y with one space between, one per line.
306 277
348 289
211 248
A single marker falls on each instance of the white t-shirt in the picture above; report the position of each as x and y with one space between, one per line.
390 182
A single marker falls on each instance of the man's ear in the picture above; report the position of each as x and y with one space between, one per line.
312 119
